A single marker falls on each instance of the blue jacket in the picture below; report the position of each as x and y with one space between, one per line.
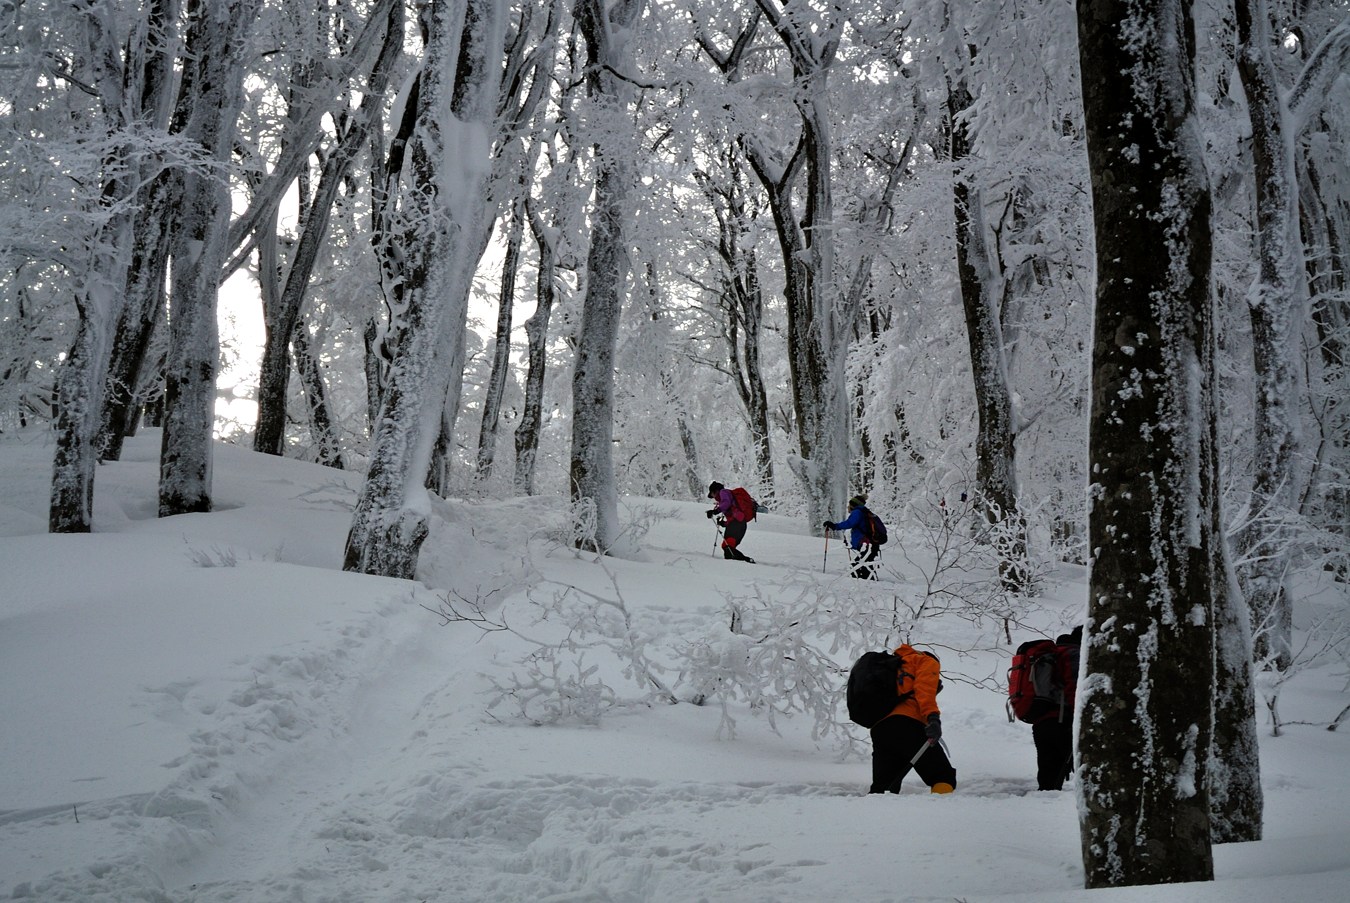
856 523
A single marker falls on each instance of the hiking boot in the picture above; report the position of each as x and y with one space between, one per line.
941 787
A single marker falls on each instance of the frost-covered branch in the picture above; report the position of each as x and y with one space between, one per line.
1328 62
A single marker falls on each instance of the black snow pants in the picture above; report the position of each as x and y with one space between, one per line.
895 740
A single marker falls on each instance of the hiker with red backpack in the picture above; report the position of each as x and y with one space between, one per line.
734 509
1042 686
894 695
867 533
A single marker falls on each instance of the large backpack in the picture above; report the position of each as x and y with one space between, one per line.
742 505
1068 671
873 529
1038 682
874 686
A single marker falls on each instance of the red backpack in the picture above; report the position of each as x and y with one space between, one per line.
1040 685
743 507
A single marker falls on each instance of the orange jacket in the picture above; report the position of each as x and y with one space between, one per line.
920 673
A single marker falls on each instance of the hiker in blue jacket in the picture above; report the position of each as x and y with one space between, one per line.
859 522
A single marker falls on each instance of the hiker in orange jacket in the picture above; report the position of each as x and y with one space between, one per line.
908 737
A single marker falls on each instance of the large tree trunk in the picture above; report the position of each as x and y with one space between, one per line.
129 82
1278 309
142 312
592 482
449 158
996 436
1235 795
1275 305
80 382
1146 705
1326 225
145 295
217 44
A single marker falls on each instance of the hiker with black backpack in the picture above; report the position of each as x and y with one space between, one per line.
1042 686
867 534
734 509
894 695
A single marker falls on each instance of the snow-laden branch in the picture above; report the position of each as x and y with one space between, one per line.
304 134
1327 63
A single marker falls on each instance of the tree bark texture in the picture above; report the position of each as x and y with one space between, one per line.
122 76
1146 703
450 158
817 343
742 304
996 436
501 349
536 338
592 460
216 45
1276 306
327 449
145 296
282 316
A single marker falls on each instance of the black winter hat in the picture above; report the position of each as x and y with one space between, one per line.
714 488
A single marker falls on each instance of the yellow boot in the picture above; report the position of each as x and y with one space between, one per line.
941 787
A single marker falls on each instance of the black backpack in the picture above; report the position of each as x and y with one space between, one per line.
873 686
873 529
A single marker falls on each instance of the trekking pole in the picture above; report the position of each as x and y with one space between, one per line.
716 536
824 558
922 749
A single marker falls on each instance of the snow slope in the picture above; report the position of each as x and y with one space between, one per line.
203 708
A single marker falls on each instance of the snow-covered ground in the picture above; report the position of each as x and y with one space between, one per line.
204 708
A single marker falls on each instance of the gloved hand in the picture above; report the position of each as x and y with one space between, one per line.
721 522
934 730
828 525
708 514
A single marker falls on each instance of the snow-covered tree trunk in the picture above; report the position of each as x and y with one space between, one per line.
817 343
282 314
501 349
742 306
996 436
817 338
130 74
327 449
1326 223
660 356
1276 305
1146 704
217 48
98 300
536 337
1278 308
529 64
145 296
1235 796
142 314
446 199
607 29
